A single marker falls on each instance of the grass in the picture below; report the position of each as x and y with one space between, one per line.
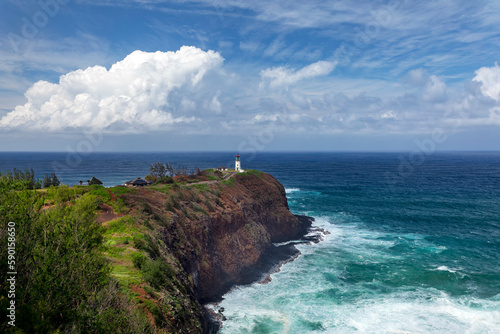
119 205
229 182
119 235
126 275
102 193
198 208
121 190
201 187
257 173
122 225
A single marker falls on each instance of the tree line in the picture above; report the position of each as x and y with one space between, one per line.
27 179
164 172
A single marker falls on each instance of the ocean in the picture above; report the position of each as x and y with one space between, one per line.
412 245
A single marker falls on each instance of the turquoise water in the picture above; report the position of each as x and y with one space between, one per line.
420 256
410 250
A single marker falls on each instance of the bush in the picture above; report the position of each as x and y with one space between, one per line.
139 259
157 272
166 180
169 206
101 192
139 242
151 178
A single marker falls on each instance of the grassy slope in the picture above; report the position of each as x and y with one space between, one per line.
148 273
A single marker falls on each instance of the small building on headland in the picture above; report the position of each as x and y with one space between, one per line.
138 182
221 169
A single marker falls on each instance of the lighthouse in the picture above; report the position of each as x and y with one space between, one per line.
237 164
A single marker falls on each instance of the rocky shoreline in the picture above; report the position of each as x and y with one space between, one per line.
271 262
213 237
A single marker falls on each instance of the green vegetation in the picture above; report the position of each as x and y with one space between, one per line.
157 272
63 281
100 191
229 182
252 172
82 276
50 181
121 190
94 181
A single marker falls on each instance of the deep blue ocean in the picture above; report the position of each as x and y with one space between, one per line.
414 244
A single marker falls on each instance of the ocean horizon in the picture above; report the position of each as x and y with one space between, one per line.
412 242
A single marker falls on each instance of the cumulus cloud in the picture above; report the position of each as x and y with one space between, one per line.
489 77
282 76
145 91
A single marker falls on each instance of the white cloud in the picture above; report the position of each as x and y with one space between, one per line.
137 94
417 77
489 77
282 76
435 89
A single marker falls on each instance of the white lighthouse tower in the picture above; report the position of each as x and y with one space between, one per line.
237 164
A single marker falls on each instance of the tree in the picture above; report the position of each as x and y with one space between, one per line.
55 180
170 169
81 182
47 181
181 170
94 181
158 170
26 177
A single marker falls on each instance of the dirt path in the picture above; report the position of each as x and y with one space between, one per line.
226 177
107 214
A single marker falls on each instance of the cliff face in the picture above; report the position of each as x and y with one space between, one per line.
218 233
235 239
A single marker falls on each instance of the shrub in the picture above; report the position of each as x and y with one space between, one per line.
157 272
209 205
165 180
139 242
139 259
198 208
101 192
151 178
169 206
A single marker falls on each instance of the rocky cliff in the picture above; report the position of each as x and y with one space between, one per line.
214 235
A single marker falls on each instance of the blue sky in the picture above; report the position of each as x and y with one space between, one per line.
109 75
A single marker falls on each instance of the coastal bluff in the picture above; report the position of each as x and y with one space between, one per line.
214 235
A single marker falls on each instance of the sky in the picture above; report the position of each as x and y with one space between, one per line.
249 76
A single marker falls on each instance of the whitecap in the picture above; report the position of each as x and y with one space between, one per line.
445 268
291 190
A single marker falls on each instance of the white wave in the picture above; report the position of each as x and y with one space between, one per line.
309 296
291 190
421 311
445 268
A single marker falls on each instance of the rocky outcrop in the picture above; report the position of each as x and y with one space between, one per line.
235 241
222 233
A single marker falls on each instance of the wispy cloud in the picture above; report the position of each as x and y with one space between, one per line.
283 77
